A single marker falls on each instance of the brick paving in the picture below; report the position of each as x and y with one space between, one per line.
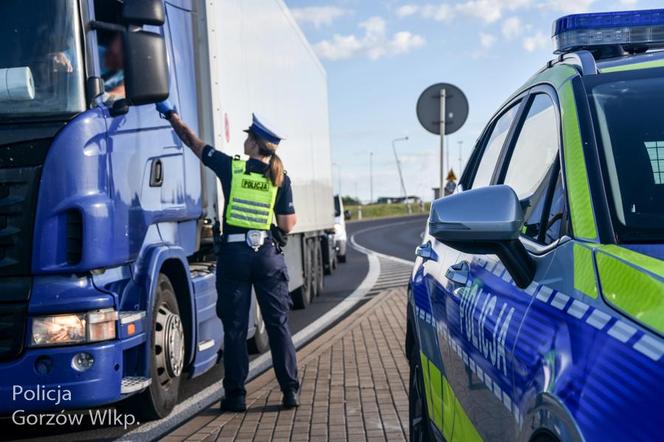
354 387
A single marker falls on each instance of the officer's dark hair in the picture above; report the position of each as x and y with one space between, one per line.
275 173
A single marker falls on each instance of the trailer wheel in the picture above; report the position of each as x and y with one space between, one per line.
320 268
302 295
259 343
168 353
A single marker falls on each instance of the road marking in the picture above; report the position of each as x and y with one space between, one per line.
213 393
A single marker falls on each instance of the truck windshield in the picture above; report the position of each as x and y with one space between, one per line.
629 126
40 59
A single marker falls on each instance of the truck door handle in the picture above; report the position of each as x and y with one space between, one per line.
426 252
459 273
156 173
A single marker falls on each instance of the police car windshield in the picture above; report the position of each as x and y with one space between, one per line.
628 116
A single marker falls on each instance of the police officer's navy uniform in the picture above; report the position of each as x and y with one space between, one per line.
240 266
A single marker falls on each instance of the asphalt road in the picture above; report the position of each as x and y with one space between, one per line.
396 237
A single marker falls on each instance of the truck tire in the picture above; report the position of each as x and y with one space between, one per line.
168 353
259 343
302 295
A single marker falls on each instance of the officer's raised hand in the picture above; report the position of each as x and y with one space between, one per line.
165 109
168 111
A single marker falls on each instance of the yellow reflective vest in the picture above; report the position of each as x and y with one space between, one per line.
251 200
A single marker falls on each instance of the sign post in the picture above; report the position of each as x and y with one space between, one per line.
443 99
442 109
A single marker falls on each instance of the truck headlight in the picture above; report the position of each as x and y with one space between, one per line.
74 328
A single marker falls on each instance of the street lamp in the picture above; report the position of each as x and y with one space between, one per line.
403 184
396 158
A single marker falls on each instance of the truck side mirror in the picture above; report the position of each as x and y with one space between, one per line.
485 221
143 12
145 67
347 215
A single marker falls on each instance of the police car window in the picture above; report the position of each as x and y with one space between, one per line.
536 148
553 223
493 147
627 116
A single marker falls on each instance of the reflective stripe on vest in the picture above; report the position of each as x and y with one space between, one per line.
252 198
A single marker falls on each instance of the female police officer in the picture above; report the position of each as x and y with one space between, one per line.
253 191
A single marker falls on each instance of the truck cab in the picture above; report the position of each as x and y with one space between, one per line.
101 207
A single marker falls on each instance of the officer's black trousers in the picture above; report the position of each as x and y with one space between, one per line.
238 268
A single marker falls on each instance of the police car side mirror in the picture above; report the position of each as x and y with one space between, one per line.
485 221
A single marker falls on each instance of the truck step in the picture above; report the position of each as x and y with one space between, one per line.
132 384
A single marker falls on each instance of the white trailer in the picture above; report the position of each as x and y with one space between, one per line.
253 58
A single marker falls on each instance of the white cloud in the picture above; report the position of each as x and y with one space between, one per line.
488 11
512 28
487 40
569 6
535 42
318 15
375 43
407 10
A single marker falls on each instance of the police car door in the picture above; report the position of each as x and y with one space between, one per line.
448 353
491 307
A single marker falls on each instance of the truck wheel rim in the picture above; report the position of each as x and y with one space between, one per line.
169 345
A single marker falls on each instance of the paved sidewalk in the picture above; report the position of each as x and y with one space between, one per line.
354 387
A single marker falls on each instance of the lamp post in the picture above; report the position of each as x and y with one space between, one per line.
396 158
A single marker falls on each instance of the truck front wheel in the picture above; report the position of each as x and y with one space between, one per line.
168 354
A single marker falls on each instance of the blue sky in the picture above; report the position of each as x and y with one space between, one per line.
381 54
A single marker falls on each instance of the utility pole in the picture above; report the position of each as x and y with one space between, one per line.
403 184
396 158
371 177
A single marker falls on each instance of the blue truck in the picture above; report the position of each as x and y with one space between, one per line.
107 275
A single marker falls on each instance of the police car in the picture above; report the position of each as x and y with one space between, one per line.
536 305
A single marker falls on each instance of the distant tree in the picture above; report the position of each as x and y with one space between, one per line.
350 201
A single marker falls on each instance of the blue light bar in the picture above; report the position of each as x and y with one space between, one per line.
631 29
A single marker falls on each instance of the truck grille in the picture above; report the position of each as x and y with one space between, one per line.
13 320
18 192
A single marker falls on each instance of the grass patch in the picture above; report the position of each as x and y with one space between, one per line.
386 210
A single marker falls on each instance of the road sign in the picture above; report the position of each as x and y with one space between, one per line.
429 107
442 109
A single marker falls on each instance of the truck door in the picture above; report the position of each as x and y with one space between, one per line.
491 306
181 47
144 159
